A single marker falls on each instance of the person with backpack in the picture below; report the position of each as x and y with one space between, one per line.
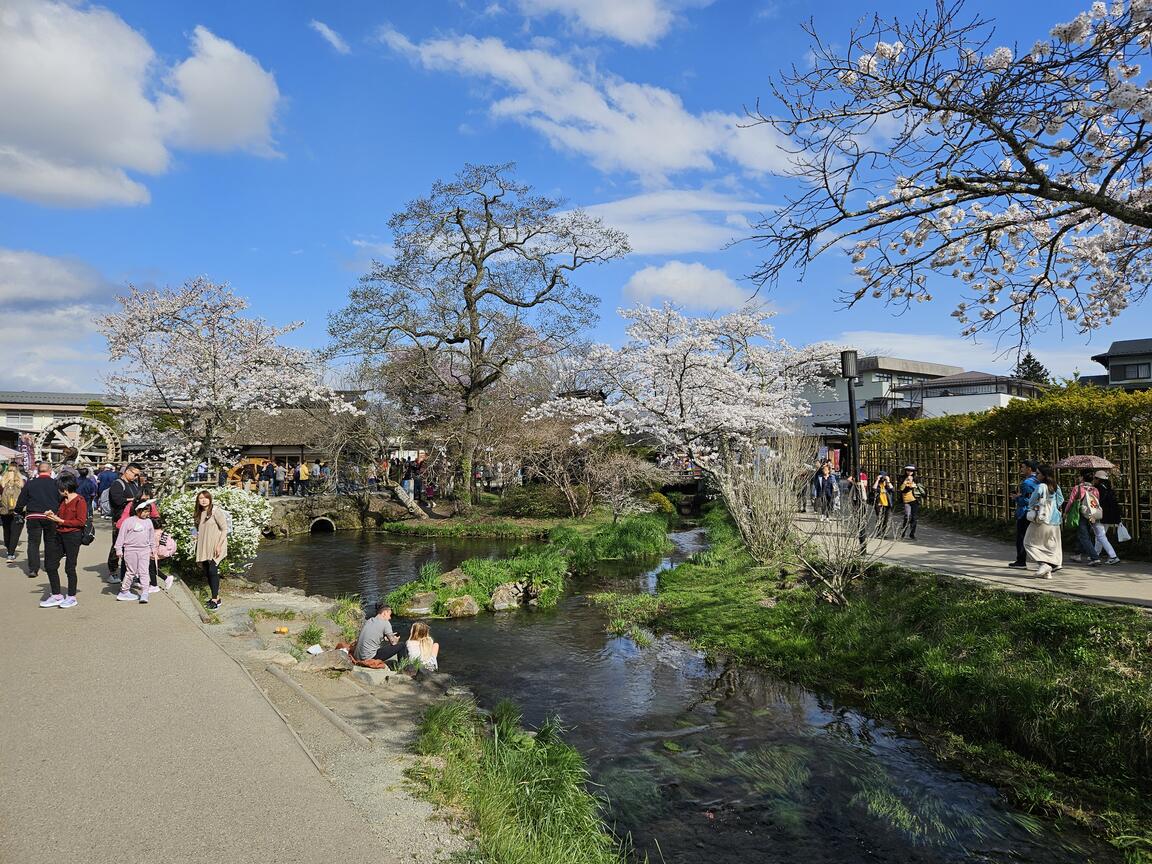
39 496
87 487
104 479
211 526
1110 515
66 538
1081 512
10 485
1043 541
123 492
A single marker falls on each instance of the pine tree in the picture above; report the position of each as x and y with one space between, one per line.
1028 368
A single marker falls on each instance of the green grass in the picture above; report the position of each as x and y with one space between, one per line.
261 614
526 795
1049 698
542 570
631 538
348 616
313 634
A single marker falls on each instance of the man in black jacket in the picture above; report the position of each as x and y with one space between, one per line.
39 495
124 490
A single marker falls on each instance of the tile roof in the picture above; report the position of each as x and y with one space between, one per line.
1124 348
38 397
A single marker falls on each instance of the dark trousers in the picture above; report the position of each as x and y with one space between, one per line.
1022 524
64 546
911 512
388 651
37 529
212 574
115 565
883 521
1087 538
13 528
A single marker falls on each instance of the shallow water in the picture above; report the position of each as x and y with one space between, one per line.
698 761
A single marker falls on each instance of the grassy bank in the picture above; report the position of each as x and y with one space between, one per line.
1049 698
630 539
525 794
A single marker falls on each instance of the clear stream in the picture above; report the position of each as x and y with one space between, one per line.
699 762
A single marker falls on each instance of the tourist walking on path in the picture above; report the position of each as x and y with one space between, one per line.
279 475
1111 517
1043 541
825 490
10 485
68 526
124 490
136 545
87 487
39 495
1027 487
305 476
105 479
1082 511
884 498
911 494
211 543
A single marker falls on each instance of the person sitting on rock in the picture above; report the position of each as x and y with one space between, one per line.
421 647
377 640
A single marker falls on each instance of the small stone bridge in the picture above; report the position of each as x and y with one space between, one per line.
324 513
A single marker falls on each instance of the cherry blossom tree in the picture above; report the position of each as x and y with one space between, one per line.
1018 175
481 282
189 363
705 387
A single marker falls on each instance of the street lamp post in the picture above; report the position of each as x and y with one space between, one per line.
848 368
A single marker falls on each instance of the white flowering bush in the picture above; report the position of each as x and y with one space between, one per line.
250 513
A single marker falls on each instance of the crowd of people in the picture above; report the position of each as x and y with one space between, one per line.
1041 510
55 509
274 478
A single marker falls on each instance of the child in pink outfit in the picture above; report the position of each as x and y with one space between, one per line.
136 543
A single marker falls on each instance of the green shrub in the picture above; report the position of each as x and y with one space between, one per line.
525 794
250 513
537 501
661 503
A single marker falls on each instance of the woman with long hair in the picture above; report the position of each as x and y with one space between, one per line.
10 485
1043 541
211 542
421 647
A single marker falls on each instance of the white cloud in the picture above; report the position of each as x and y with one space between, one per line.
30 279
634 22
678 221
330 36
692 286
619 125
84 101
972 356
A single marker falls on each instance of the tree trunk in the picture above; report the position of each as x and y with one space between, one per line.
468 444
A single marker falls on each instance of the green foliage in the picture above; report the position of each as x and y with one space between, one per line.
348 615
467 528
1064 687
1076 409
632 538
313 634
250 513
97 410
525 794
1029 368
537 501
661 503
542 571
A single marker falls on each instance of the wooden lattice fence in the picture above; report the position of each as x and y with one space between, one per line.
979 478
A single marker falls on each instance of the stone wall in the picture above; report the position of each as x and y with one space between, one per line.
344 512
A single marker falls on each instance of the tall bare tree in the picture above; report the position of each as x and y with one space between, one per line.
481 282
1020 174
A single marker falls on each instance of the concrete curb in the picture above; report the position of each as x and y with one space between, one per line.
326 712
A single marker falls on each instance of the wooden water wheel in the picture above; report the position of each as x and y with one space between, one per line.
245 471
94 442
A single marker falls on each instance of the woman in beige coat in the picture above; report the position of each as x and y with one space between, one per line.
211 542
10 485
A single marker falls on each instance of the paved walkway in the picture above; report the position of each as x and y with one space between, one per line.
986 559
130 737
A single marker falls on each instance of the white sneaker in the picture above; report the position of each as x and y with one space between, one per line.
152 589
67 602
1113 560
144 597
127 597
51 600
168 582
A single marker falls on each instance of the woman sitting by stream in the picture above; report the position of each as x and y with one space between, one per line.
421 647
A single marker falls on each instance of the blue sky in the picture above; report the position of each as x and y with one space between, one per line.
266 143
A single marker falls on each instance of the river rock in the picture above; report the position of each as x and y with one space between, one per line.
506 596
293 592
266 588
326 660
462 607
373 677
454 578
420 604
276 658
